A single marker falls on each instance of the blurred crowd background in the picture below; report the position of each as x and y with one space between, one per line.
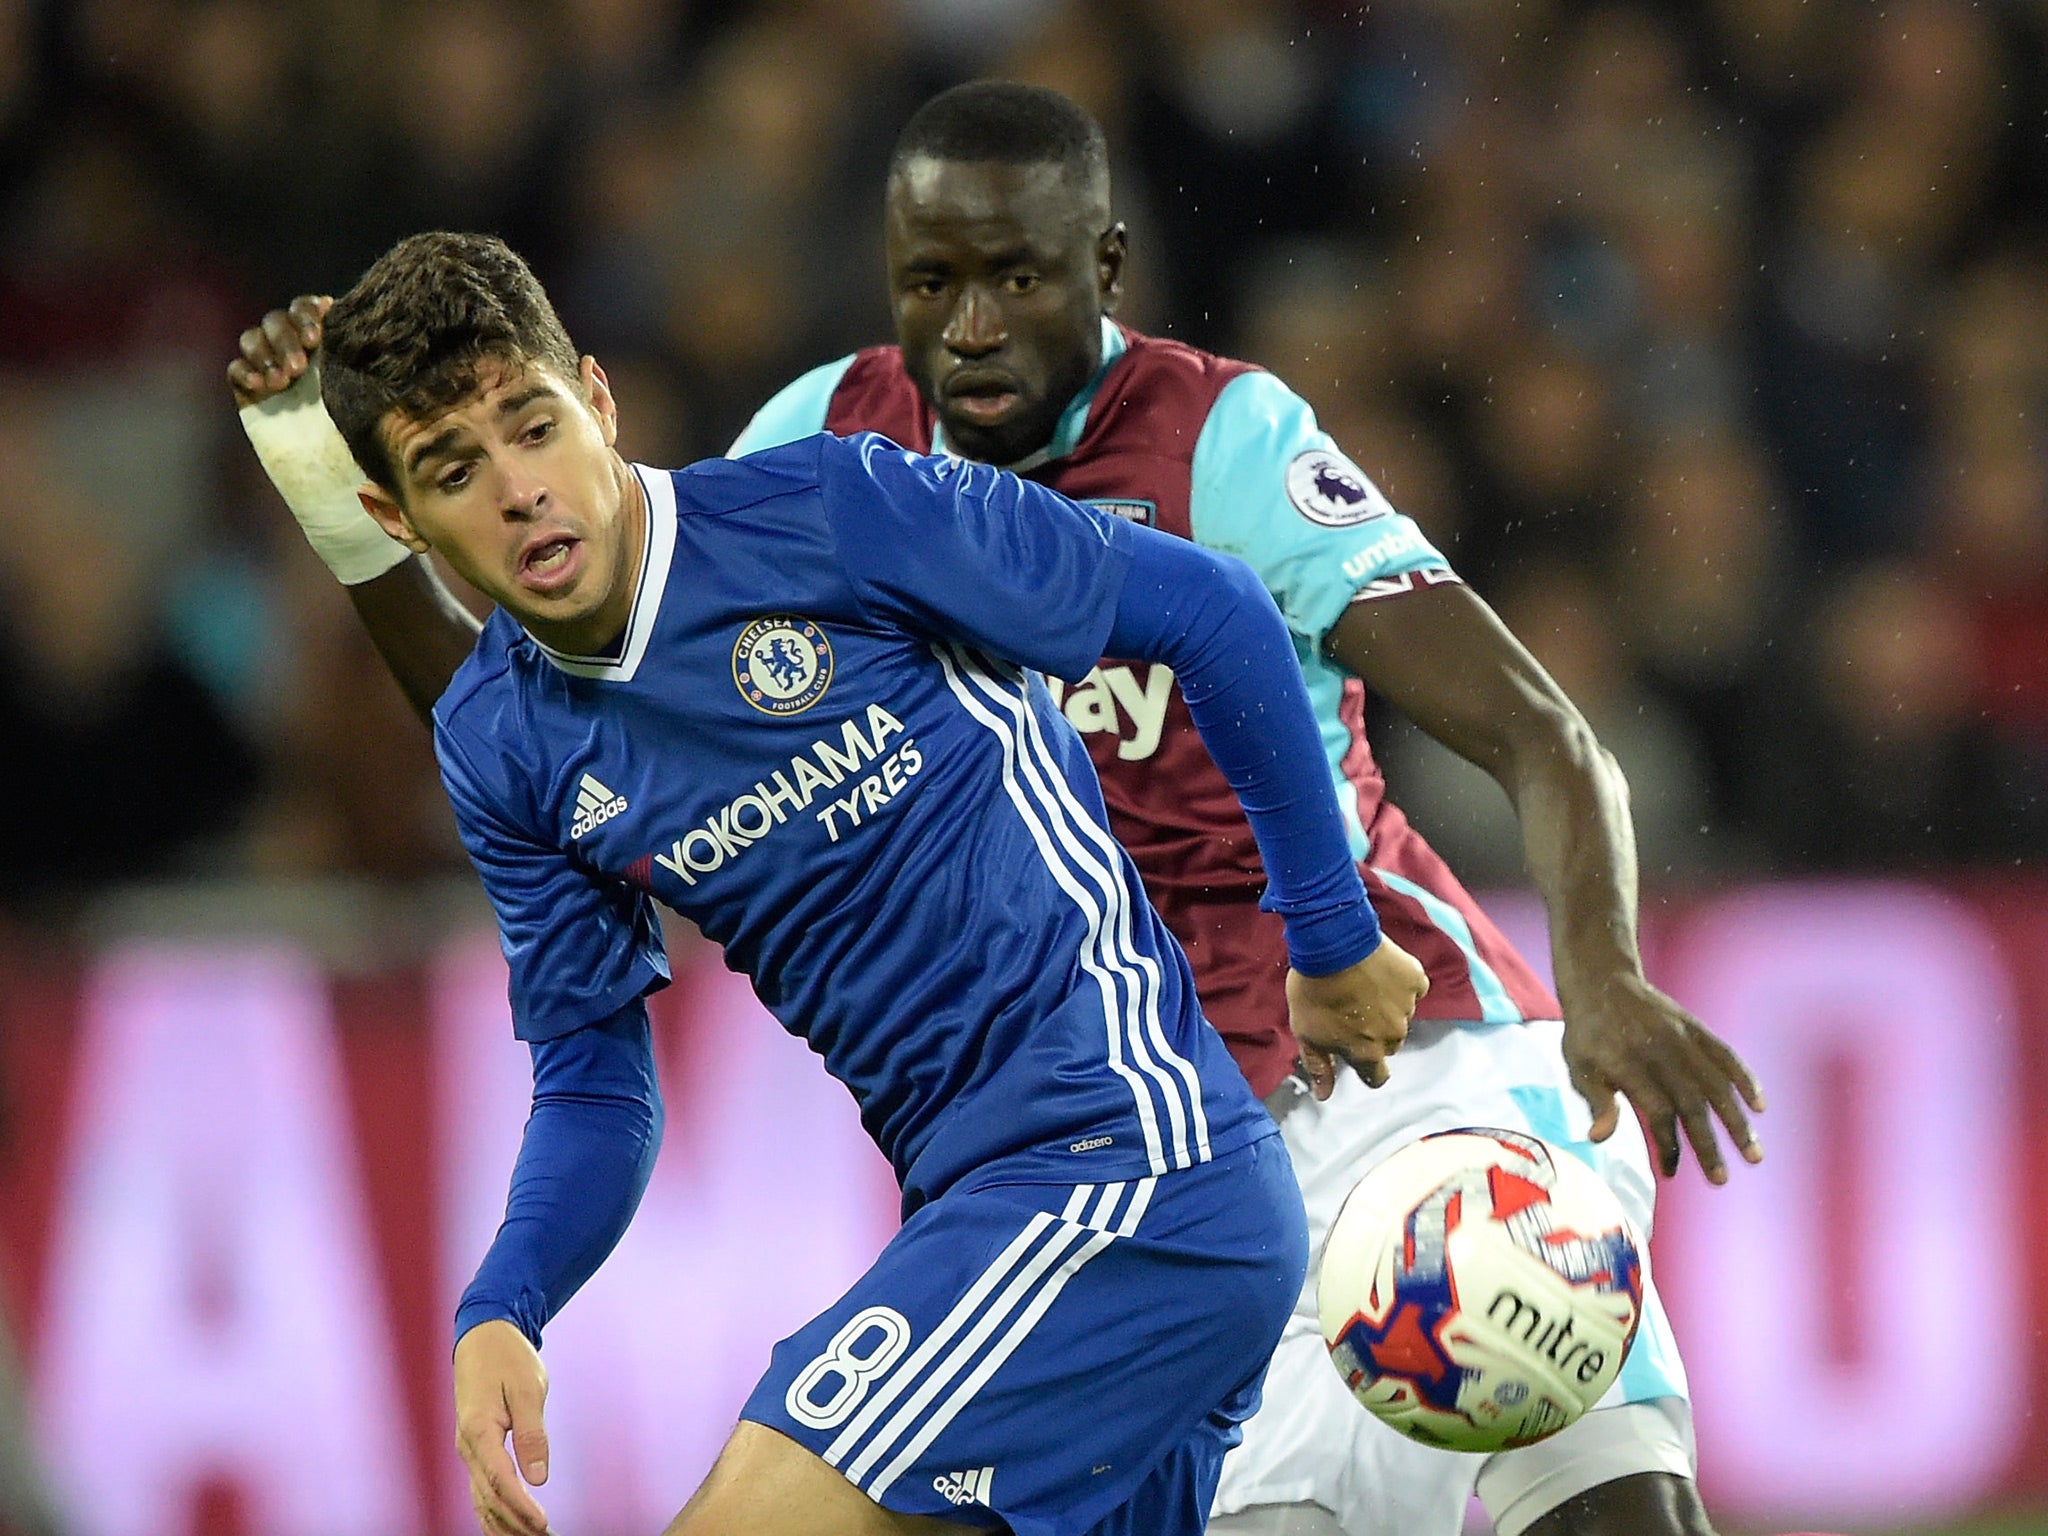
1709 339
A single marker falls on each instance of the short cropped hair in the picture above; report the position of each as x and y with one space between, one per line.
414 332
1004 121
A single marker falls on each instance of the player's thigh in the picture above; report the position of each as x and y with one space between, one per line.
1648 1504
1312 1444
765 1484
1624 1463
1040 1351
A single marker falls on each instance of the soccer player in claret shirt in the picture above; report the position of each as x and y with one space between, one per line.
1005 265
799 698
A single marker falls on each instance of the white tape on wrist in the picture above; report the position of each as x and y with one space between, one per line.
302 451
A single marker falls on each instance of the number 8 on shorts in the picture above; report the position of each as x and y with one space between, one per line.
867 1346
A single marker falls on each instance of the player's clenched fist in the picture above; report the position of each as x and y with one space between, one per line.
276 381
1359 1014
277 350
500 1389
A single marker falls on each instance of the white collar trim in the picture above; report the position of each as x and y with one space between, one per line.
659 551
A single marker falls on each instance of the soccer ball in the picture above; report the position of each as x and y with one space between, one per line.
1479 1289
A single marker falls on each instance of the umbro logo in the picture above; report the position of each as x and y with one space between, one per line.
595 805
958 1488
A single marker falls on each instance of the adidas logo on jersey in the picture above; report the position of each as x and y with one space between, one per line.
958 1488
595 805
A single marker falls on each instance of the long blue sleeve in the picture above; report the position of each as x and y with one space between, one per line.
1208 617
583 1165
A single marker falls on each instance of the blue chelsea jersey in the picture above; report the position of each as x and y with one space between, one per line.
823 741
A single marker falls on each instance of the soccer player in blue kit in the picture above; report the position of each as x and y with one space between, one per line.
798 699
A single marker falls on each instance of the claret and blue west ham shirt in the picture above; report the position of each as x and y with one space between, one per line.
825 739
1226 455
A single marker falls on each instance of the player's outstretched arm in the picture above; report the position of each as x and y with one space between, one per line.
1443 657
419 628
1350 989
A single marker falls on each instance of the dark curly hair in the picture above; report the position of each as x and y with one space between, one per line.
413 333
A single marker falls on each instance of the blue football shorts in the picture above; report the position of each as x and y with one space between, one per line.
1058 1358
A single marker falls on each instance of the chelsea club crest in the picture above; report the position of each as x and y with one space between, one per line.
782 665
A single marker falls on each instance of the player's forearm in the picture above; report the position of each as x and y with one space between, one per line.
418 627
583 1165
1571 799
1443 658
1208 618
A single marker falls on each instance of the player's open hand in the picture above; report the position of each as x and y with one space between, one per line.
1622 1035
278 349
500 1389
1359 1015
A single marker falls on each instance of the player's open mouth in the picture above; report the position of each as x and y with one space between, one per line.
985 410
550 564
983 401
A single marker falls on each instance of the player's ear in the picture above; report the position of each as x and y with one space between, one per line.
390 516
598 389
1110 253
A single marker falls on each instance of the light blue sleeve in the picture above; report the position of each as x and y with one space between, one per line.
796 411
1272 487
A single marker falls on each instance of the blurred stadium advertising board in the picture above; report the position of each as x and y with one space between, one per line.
239 1195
